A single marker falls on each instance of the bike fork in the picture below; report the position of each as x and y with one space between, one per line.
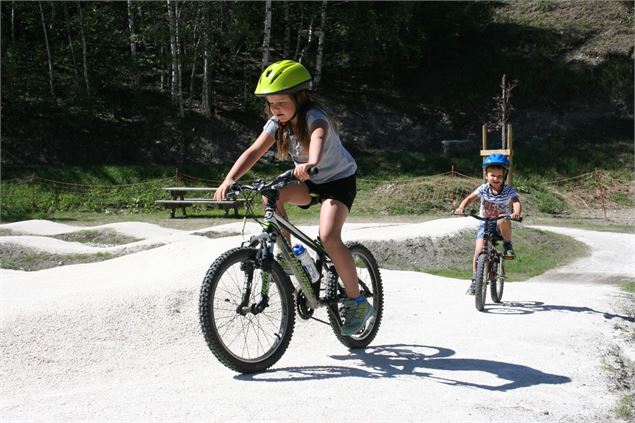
500 270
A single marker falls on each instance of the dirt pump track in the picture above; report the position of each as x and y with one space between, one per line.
119 340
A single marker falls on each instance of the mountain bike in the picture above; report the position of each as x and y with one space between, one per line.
490 264
248 303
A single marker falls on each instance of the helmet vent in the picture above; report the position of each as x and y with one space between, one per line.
275 77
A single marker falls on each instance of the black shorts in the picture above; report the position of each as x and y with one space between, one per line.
343 190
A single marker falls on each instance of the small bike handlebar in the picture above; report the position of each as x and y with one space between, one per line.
260 186
488 219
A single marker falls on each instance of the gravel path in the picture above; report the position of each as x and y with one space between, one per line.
119 340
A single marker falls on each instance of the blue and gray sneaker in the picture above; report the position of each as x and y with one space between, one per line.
358 312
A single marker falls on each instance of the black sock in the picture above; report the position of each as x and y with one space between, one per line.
507 245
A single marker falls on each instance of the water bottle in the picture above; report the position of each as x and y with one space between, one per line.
307 262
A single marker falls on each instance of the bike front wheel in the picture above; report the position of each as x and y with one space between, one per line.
481 278
498 283
371 287
247 341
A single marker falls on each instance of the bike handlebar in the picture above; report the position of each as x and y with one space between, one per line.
260 186
488 219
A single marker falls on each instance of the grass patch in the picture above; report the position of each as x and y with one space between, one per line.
216 234
630 287
97 237
625 407
17 257
131 191
591 224
537 251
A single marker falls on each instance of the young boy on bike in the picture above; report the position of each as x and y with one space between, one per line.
496 199
301 129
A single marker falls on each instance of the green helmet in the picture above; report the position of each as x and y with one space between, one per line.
283 77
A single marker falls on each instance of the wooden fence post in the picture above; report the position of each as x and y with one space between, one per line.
453 194
33 193
598 178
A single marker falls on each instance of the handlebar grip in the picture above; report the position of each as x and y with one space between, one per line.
313 171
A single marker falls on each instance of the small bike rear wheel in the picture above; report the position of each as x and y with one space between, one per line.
497 284
246 342
370 286
481 278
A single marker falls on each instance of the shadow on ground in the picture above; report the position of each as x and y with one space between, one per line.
430 362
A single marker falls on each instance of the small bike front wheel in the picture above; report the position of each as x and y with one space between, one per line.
497 284
371 287
246 341
481 278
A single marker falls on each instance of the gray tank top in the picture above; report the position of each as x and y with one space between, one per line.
336 162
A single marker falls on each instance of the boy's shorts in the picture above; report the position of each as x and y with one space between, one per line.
481 231
343 190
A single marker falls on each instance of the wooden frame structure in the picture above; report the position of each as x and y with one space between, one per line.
506 150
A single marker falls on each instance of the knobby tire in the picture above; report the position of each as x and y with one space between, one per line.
497 284
482 275
254 342
368 273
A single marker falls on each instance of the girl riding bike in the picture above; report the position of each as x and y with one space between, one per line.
301 129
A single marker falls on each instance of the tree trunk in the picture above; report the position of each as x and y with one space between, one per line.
179 88
266 36
133 45
162 70
13 20
70 45
48 51
287 31
308 41
196 39
298 39
84 58
320 52
174 73
205 100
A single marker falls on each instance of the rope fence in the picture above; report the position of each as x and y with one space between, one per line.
597 191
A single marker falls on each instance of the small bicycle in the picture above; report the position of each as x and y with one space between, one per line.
490 265
247 301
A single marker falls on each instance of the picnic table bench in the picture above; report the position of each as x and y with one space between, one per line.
179 200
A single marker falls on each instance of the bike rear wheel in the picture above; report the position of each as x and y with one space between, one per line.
251 342
497 284
370 286
481 278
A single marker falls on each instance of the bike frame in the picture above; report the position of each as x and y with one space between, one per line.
490 238
271 235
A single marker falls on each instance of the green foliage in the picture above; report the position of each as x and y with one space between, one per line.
536 252
547 202
625 407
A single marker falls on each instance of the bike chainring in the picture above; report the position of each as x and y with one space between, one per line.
304 311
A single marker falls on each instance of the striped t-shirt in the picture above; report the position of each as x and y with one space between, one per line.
493 205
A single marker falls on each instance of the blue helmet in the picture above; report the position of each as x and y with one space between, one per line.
496 160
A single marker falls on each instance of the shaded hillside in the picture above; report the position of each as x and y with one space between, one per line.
572 60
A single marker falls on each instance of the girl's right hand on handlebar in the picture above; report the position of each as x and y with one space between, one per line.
221 192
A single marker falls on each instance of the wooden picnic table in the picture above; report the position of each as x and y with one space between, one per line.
178 193
179 200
